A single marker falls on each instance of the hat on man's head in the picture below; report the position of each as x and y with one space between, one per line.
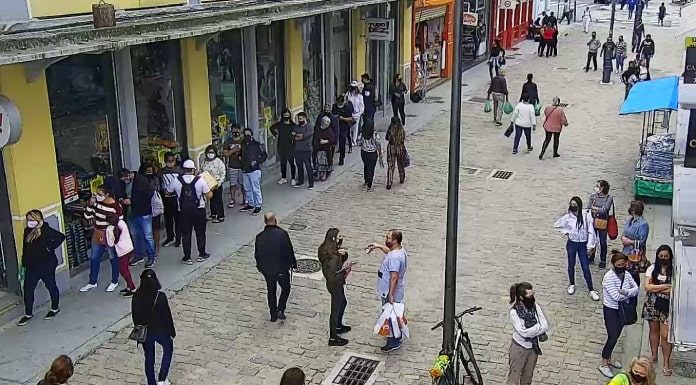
354 83
188 164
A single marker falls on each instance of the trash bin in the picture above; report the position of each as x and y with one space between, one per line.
667 21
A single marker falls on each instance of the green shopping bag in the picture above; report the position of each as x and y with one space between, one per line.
537 109
507 108
487 107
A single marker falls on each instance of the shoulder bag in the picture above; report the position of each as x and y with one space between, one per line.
612 226
139 332
627 309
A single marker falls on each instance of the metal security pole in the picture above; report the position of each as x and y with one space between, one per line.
453 186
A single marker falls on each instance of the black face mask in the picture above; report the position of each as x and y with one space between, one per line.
637 378
301 122
619 270
286 120
529 302
573 209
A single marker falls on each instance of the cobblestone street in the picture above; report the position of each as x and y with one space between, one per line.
506 236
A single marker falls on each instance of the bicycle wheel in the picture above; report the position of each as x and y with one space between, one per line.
465 354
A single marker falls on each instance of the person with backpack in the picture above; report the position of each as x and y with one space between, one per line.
192 191
252 156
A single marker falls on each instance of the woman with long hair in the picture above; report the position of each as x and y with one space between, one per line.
396 151
118 237
600 205
39 244
293 376
529 328
577 226
332 256
216 167
370 151
496 58
640 372
61 370
634 238
658 289
153 178
150 308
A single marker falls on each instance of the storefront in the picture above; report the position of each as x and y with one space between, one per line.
475 43
158 100
432 53
82 97
8 262
313 64
510 24
382 49
270 80
339 62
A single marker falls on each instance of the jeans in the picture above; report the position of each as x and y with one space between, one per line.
141 231
602 236
304 162
217 207
252 188
398 109
287 157
620 62
614 326
391 341
195 221
272 283
171 218
591 56
47 274
556 136
518 135
338 307
579 249
370 162
95 262
167 344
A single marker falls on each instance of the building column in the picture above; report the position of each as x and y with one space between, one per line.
127 112
251 92
293 66
329 81
194 70
358 44
406 41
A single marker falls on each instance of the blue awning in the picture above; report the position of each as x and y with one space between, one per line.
651 95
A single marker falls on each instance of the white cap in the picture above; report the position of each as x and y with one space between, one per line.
189 164
354 83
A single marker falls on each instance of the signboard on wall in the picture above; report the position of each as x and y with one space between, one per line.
69 187
690 63
380 29
10 122
470 19
507 4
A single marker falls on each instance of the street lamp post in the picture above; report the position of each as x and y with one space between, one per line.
453 187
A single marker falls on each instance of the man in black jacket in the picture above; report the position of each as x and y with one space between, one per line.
370 98
530 88
138 199
274 258
343 109
282 131
251 156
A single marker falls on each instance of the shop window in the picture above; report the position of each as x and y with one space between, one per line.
313 59
340 50
158 100
271 81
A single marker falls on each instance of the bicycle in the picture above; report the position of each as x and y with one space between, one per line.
463 356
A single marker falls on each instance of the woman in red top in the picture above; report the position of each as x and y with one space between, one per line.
549 32
555 120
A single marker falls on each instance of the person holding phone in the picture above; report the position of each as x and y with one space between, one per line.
332 257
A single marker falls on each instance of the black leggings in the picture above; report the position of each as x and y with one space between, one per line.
547 140
217 207
370 162
338 307
398 109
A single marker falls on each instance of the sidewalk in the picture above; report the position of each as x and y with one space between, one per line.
89 319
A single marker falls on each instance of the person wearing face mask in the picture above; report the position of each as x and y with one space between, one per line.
39 244
617 287
529 327
282 131
138 199
324 140
332 256
231 150
634 238
658 289
215 167
369 93
98 208
621 48
304 136
600 205
397 93
640 372
156 183
251 158
333 126
168 174
343 108
592 48
577 226
358 102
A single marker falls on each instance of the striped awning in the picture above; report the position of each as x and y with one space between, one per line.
430 13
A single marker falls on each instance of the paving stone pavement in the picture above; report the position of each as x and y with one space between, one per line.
506 236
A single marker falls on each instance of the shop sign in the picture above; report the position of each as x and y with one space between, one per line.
10 122
470 19
69 187
690 154
690 63
380 29
507 4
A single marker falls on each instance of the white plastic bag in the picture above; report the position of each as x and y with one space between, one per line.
399 310
157 204
384 326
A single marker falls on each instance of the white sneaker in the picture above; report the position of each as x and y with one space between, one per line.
111 287
165 382
87 287
293 182
282 181
571 289
615 364
594 295
606 371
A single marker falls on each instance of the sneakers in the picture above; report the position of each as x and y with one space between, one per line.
615 364
390 348
297 185
51 314
165 382
87 287
602 265
311 187
281 315
338 341
24 320
135 261
127 292
187 261
571 289
246 208
218 220
167 242
256 211
282 181
606 371
274 317
177 243
150 263
111 287
203 257
231 204
370 189
293 182
343 329
594 295
528 150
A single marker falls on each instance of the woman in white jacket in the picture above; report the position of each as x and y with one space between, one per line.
577 226
216 167
118 237
529 327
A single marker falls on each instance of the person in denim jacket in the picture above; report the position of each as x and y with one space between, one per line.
635 235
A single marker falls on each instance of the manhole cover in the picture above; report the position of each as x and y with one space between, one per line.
564 105
685 369
477 99
471 170
308 266
297 227
561 68
501 174
356 371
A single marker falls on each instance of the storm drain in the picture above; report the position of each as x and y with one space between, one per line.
471 171
564 105
307 266
500 175
297 227
561 68
477 99
356 371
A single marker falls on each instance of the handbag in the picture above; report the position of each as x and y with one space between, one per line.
509 130
139 332
600 224
487 106
627 309
612 226
406 158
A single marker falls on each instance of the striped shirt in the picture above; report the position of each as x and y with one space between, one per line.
611 283
100 210
370 145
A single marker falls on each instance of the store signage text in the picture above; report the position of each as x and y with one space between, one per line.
10 122
380 29
507 4
690 42
470 19
69 187
690 66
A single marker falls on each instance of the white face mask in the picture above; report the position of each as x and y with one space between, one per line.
32 224
210 156
596 189
99 198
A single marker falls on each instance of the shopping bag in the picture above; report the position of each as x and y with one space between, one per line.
507 108
612 226
383 327
157 204
402 322
487 107
509 130
537 109
407 159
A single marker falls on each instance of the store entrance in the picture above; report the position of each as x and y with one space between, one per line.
9 277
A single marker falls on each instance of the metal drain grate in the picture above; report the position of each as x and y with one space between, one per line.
297 227
356 371
477 99
564 105
501 174
308 266
471 170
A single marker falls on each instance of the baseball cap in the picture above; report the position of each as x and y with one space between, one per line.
354 83
189 165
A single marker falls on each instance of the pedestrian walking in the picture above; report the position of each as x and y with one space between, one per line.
566 12
498 88
275 257
586 20
98 207
617 286
150 308
358 102
577 226
232 149
529 328
168 174
216 168
661 14
640 372
396 152
39 244
496 58
192 191
370 97
282 131
155 181
524 119
118 237
658 290
634 238
333 257
370 152
631 8
61 370
138 203
555 120
530 88
621 49
344 110
647 50
324 141
638 33
251 158
293 376
397 92
593 46
623 4
600 205
391 274
304 137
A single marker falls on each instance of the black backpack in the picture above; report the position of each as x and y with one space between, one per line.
188 199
